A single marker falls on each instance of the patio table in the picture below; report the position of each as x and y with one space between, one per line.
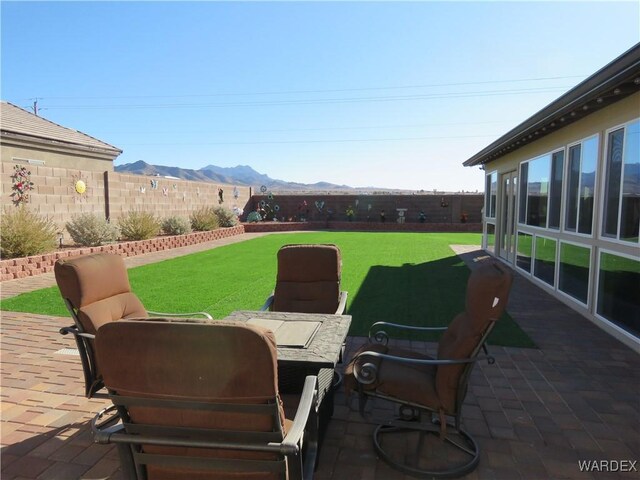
308 344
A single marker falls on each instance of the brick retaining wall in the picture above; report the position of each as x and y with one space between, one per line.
37 264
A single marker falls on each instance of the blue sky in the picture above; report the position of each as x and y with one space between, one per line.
387 94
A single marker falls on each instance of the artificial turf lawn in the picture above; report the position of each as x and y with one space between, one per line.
410 278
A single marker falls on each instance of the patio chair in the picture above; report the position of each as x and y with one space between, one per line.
201 401
95 288
308 280
430 391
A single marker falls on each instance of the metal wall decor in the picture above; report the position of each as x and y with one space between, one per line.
80 188
21 185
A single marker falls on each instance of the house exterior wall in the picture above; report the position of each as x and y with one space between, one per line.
597 125
54 156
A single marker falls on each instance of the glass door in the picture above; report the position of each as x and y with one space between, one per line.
507 222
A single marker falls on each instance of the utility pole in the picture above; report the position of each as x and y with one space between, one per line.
35 107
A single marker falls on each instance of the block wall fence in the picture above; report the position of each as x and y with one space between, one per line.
440 209
112 194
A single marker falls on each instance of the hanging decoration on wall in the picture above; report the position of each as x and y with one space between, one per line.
184 196
154 184
198 191
263 189
165 191
143 189
236 192
21 185
320 205
220 195
265 209
175 186
79 184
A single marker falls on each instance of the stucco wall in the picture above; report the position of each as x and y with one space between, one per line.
54 157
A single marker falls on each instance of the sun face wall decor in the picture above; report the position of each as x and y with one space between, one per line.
80 189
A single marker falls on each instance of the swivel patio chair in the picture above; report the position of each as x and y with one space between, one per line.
308 281
200 401
95 288
430 391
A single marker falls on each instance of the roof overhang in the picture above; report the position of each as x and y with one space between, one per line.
29 141
610 84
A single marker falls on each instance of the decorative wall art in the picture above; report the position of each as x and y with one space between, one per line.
165 191
143 189
79 184
154 184
21 185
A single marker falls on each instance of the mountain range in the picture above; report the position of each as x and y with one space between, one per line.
241 175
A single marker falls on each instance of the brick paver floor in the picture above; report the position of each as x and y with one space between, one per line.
535 413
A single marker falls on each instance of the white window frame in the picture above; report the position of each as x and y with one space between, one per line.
589 285
603 188
596 181
610 323
550 153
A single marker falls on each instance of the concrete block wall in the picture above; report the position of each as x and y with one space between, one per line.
367 208
111 194
170 197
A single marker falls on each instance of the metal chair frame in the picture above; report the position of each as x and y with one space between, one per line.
416 417
296 452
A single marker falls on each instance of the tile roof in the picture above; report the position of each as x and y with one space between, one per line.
15 120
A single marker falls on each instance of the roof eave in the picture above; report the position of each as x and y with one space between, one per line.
608 85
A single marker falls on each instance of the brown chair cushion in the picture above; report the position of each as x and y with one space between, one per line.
123 305
487 282
412 383
89 278
308 279
220 362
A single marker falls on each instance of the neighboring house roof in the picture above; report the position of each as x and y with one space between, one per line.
14 121
610 84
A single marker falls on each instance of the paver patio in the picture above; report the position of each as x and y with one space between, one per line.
535 412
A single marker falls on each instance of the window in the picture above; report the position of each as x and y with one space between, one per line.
491 237
541 191
622 184
573 271
524 178
583 159
491 193
545 260
555 189
619 291
523 255
538 191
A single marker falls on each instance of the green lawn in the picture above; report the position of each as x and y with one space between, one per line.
411 278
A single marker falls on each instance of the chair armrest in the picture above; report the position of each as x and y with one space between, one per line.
267 303
367 372
381 336
342 305
291 442
191 314
74 331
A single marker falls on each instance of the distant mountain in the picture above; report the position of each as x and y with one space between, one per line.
240 175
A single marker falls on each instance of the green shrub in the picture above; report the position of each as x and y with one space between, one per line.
91 230
139 225
176 226
25 233
204 219
226 218
254 217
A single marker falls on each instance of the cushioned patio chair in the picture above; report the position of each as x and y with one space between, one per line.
308 281
201 401
95 288
430 391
